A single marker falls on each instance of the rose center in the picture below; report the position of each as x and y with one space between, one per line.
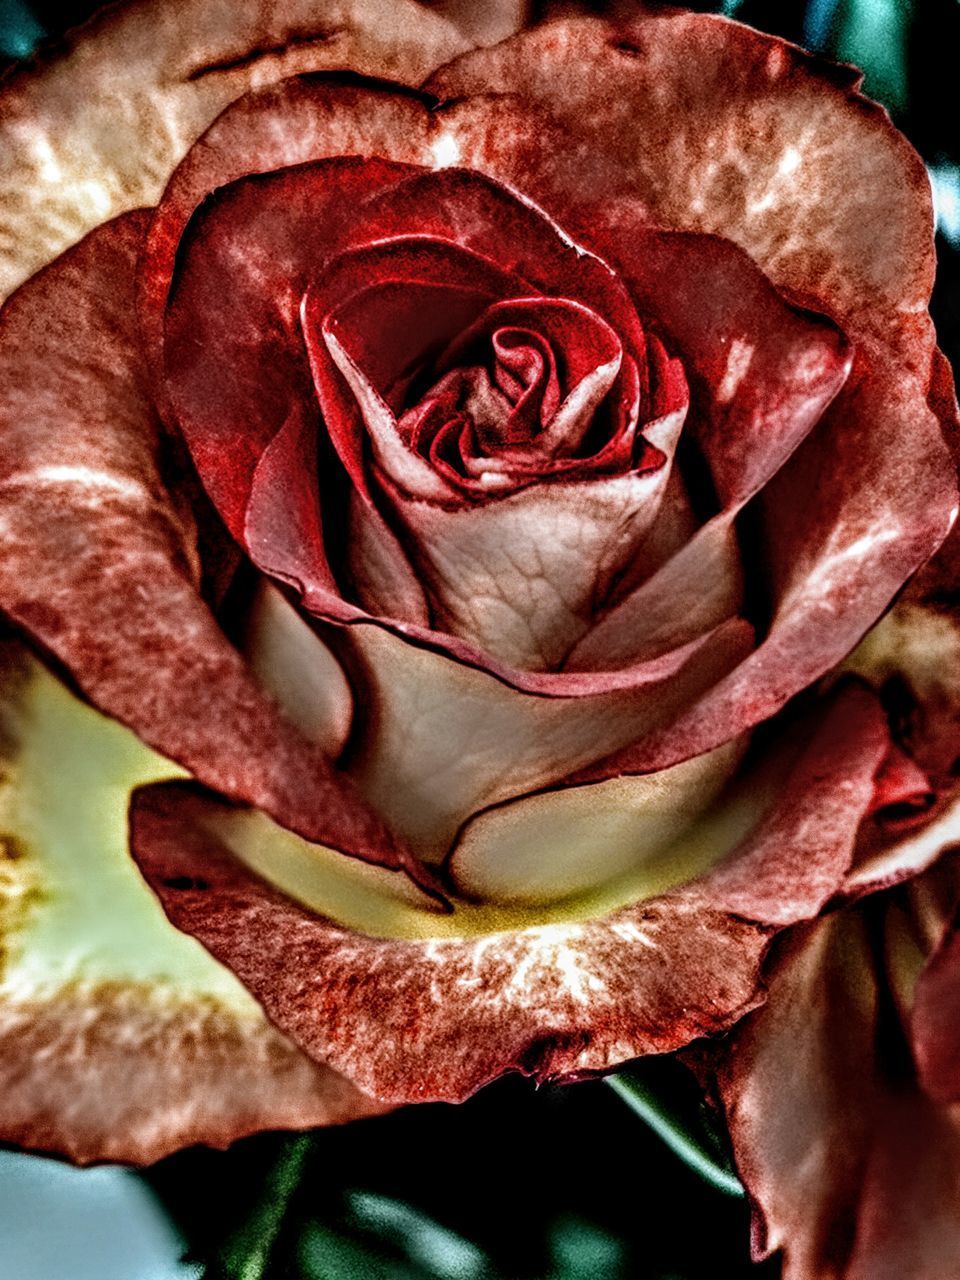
518 446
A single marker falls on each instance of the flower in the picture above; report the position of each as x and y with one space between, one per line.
457 488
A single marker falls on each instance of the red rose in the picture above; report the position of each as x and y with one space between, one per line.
556 425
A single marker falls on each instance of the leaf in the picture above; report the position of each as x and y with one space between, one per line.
683 1127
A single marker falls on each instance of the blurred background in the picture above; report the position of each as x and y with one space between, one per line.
517 1184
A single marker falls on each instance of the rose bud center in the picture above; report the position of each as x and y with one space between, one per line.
520 451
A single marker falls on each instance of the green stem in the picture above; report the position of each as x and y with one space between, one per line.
643 1102
247 1255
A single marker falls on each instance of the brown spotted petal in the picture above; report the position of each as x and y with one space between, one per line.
555 1000
120 1039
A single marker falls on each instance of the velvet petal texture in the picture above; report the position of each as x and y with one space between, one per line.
734 164
555 1001
299 180
866 535
150 77
99 563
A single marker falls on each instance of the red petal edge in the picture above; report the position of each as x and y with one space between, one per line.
437 1019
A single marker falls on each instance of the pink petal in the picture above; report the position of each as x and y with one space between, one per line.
124 1074
853 1171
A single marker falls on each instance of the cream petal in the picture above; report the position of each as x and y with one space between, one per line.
293 664
120 1037
554 844
441 739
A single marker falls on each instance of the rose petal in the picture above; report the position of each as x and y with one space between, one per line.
151 78
431 749
699 587
440 1015
740 134
487 23
467 208
234 363
762 372
914 655
120 1039
935 1023
762 375
838 552
520 576
833 777
907 855
711 159
99 565
554 844
298 669
853 1171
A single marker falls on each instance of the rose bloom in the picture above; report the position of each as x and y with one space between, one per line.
439 497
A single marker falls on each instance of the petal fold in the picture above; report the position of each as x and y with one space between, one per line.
438 1015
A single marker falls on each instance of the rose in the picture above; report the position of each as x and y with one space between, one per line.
511 311
841 1091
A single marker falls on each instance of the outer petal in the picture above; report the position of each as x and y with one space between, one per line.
854 1172
150 77
913 655
119 1038
762 374
484 23
713 126
935 1023
838 551
99 565
437 1018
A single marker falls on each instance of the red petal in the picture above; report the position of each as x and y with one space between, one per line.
713 126
122 1074
440 1016
761 372
901 790
99 564
853 1171
233 355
